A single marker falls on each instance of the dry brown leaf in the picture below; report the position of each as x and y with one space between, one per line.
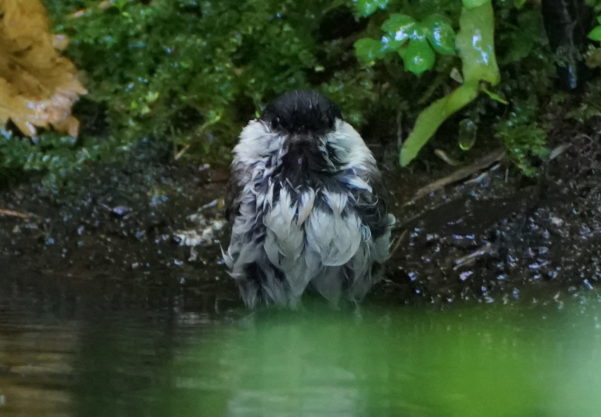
37 86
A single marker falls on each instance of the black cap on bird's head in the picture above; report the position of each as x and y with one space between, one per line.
301 112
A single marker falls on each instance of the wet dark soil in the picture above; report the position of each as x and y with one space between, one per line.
500 237
113 234
149 231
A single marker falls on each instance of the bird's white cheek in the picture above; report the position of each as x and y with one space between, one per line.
350 148
256 143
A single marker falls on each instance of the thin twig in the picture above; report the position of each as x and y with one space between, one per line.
399 129
181 152
446 158
470 258
398 242
13 213
559 150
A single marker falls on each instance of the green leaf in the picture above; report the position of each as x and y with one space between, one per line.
400 27
518 44
475 43
595 34
440 34
494 96
389 44
470 4
418 57
368 49
368 7
418 32
432 117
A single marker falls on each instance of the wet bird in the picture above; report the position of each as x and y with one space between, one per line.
302 206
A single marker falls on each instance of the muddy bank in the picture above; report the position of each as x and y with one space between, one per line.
114 233
496 236
489 235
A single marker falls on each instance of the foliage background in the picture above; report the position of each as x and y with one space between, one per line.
189 73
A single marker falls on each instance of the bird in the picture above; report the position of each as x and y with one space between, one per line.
304 208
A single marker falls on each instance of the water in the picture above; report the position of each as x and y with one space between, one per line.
71 348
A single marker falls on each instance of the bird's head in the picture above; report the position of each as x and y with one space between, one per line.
301 113
302 132
303 119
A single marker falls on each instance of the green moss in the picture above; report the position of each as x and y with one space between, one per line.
523 135
57 156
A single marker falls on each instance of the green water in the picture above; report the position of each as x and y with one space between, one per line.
62 356
467 362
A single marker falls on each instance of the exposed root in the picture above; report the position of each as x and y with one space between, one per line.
460 174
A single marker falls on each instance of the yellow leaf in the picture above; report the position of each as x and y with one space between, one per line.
38 87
